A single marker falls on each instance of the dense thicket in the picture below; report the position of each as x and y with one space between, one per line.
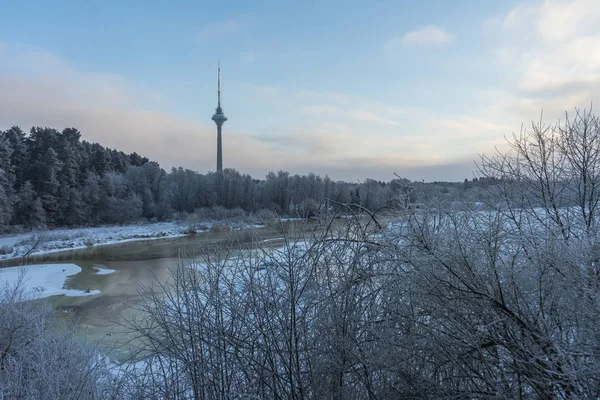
40 358
53 178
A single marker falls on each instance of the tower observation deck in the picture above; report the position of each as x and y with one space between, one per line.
219 119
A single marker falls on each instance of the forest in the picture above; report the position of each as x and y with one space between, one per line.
51 178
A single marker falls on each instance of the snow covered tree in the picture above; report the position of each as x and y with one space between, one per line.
20 153
29 210
552 172
43 174
7 181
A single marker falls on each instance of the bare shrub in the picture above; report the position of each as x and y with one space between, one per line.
308 208
40 358
190 230
263 216
4 250
219 228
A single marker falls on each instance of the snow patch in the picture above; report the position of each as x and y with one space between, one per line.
103 271
40 281
275 239
196 265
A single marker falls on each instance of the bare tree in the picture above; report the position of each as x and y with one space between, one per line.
552 174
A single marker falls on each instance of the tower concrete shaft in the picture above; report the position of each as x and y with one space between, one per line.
219 119
219 149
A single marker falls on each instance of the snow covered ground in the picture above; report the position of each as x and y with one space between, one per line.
10 241
65 239
39 281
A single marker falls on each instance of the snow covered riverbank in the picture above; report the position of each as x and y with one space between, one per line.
65 239
21 245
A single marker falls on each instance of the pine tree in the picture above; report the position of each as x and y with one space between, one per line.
44 177
7 180
29 210
19 158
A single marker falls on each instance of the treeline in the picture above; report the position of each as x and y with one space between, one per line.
53 178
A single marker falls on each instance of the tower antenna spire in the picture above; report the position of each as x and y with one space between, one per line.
219 119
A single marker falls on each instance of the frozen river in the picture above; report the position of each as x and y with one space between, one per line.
137 263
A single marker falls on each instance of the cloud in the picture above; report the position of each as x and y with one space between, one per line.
426 35
358 169
346 107
561 20
468 127
543 57
320 109
342 112
557 66
573 63
370 116
339 132
521 16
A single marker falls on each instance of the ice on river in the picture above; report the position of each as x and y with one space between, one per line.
45 280
103 271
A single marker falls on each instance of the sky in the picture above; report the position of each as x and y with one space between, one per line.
351 89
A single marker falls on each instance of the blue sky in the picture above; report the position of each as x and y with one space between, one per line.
346 88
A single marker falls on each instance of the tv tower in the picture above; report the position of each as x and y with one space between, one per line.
219 119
